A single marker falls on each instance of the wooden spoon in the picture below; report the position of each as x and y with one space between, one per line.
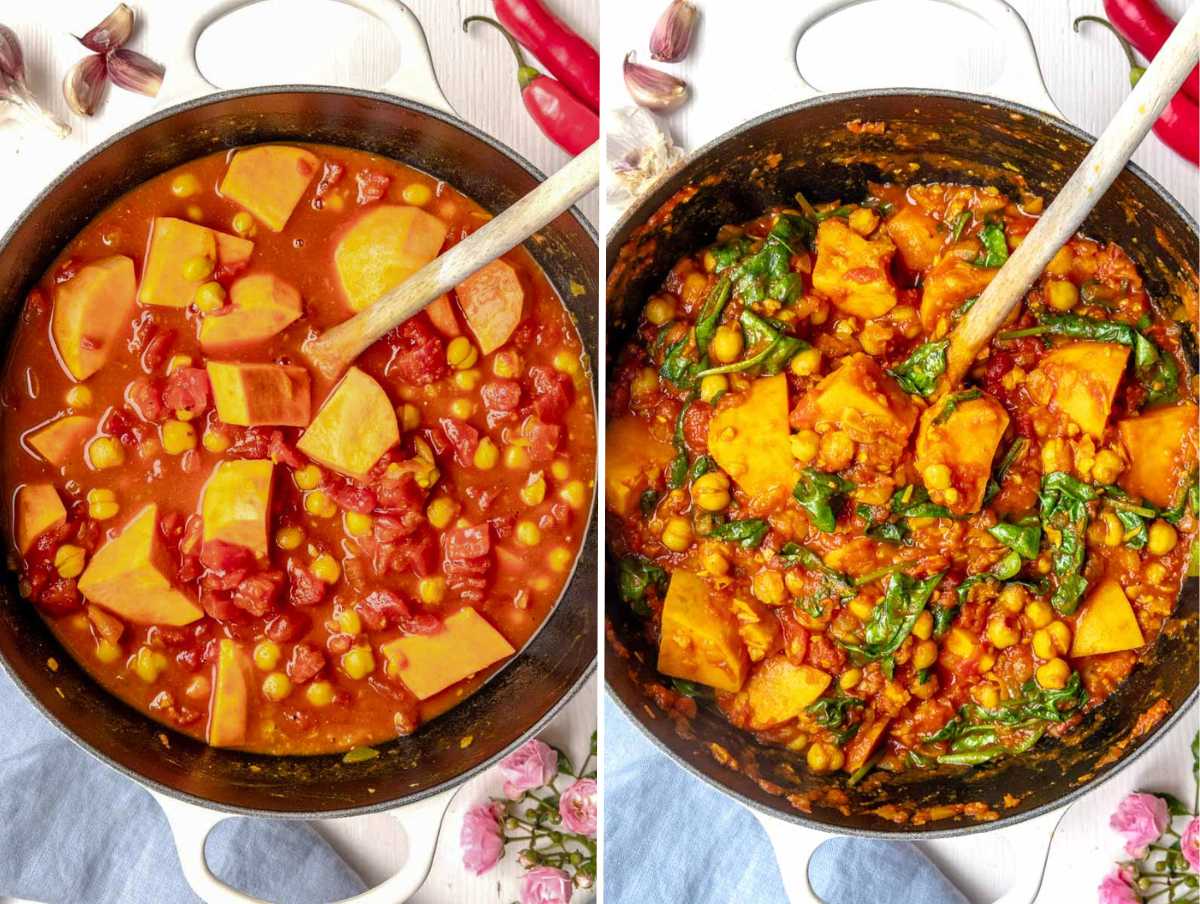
335 349
1082 192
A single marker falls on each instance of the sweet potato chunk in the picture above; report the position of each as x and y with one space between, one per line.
442 316
862 400
748 437
778 691
1106 623
863 744
1162 452
92 312
38 509
492 301
917 237
635 458
430 663
852 272
262 305
387 245
699 639
173 243
63 438
965 440
269 180
129 575
353 427
249 395
228 705
236 503
1085 377
758 628
950 283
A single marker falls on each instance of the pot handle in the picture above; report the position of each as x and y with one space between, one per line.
191 825
1021 79
414 80
1029 841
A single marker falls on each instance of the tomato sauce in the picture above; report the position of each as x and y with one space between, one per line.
286 631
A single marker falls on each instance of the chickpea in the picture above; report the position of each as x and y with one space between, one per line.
712 386
266 655
837 449
823 757
1061 294
937 477
768 587
1163 538
358 663
461 354
644 383
923 627
1107 466
1012 598
660 309
806 363
319 693
1060 264
276 686
1055 456
849 679
677 534
1001 635
726 344
1054 674
711 491
863 220
713 560
1039 613
805 446
1155 573
528 533
925 654
986 695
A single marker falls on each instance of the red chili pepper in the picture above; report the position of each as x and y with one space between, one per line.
1146 26
570 59
564 119
1178 126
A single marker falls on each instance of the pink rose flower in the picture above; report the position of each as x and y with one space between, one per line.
532 765
577 806
480 838
1190 844
546 885
1117 888
1141 818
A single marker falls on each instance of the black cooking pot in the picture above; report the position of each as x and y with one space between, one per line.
517 701
930 136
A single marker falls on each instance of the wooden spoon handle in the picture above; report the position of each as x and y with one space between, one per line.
334 350
1082 192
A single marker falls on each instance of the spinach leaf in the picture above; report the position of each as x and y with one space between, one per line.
1008 567
1064 502
995 246
1136 533
912 501
677 470
943 618
701 466
767 272
953 401
959 224
831 712
725 256
690 688
919 372
648 501
1024 537
636 575
679 366
710 312
842 212
818 493
749 533
1011 457
889 532
831 584
774 348
894 616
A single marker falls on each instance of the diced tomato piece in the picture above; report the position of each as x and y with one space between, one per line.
119 423
288 626
306 589
223 558
306 662
399 494
552 392
59 597
418 352
352 497
420 551
543 440
187 390
281 451
795 636
371 185
501 395
824 654
218 604
145 396
257 594
158 349
695 426
463 438
469 542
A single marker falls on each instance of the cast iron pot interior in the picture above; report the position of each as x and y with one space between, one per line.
932 136
518 699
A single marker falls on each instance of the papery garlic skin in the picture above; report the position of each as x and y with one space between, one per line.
672 37
652 88
134 71
16 101
112 33
84 84
639 152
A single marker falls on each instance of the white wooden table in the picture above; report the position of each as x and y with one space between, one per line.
742 65
312 41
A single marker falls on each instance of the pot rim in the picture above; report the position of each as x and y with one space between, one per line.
379 806
640 211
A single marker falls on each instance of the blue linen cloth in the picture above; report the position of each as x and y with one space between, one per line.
73 831
670 838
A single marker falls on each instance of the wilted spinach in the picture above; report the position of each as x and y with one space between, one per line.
818 493
749 532
894 616
636 575
953 401
995 246
1064 502
1024 537
710 312
775 348
912 501
1014 453
919 372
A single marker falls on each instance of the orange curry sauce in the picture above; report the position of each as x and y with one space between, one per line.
855 568
276 599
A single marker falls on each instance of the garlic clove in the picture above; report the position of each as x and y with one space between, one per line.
653 88
84 84
12 61
673 33
134 71
112 32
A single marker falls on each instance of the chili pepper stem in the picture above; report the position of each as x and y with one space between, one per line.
526 74
1136 69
